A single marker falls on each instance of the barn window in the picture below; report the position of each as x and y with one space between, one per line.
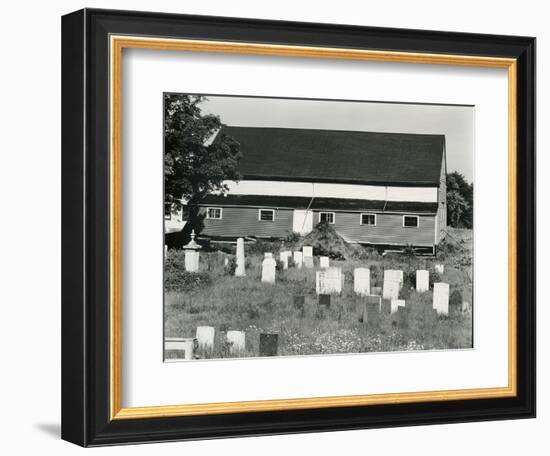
368 219
214 213
326 217
266 215
410 221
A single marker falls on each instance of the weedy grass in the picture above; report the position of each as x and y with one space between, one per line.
214 297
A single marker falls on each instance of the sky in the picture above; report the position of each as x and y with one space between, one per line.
455 122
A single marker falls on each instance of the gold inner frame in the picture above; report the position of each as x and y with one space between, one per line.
117 44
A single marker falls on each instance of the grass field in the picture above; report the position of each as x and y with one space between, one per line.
214 297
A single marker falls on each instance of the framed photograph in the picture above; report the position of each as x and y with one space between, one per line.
277 227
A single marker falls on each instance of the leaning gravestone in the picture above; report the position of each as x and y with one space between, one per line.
298 259
441 298
240 270
396 303
422 280
329 281
237 341
391 289
268 344
268 268
205 336
361 281
324 262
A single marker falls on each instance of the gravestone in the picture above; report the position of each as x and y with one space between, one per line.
192 254
439 268
371 309
402 318
329 281
396 303
237 341
298 259
391 289
441 298
394 275
308 262
268 344
361 281
269 266
184 344
205 337
307 251
324 262
422 280
324 300
240 270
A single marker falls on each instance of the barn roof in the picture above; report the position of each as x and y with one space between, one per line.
328 204
339 156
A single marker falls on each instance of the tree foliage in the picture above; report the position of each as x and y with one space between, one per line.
197 157
460 201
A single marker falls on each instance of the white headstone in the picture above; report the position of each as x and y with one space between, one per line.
205 336
324 262
391 289
395 303
441 298
329 281
361 281
240 270
191 260
237 341
422 280
394 275
268 268
307 251
187 344
298 259
439 268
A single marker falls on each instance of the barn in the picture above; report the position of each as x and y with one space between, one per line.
381 189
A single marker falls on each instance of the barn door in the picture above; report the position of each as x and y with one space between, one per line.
302 222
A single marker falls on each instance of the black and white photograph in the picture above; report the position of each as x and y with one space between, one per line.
316 227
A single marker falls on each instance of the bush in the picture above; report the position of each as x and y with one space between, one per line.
231 266
181 280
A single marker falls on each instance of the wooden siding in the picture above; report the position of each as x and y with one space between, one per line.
243 221
442 203
388 230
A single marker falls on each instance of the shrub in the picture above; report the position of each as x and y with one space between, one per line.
231 266
180 280
279 266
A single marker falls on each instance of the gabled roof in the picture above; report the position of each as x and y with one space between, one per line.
339 156
323 204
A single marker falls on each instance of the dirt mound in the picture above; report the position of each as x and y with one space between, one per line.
326 242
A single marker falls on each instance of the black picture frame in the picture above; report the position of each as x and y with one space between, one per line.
85 227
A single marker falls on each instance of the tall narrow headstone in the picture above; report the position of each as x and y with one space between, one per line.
298 259
329 281
307 251
268 268
237 341
205 336
396 303
324 262
361 281
240 270
422 280
441 298
268 344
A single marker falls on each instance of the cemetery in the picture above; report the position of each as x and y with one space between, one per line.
302 296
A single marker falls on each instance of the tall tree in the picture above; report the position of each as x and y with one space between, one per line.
460 201
198 158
